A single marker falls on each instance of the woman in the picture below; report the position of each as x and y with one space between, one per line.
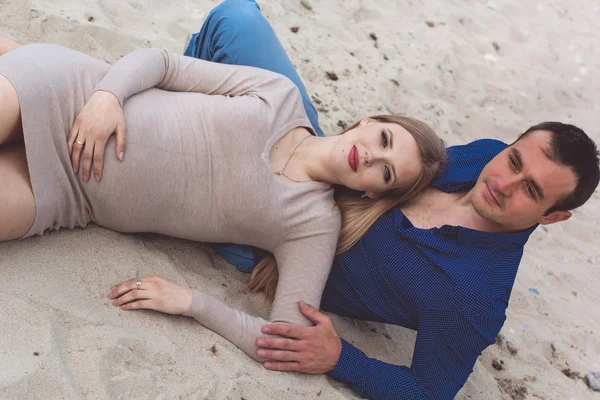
263 180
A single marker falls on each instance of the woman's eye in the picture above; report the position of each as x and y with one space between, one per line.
384 139
387 175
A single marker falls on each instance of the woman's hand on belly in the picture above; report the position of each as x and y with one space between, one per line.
151 293
101 116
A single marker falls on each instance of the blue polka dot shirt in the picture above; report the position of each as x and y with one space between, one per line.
450 284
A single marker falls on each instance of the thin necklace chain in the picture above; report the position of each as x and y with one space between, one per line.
282 172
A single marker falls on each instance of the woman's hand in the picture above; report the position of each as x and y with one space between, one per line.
101 116
154 293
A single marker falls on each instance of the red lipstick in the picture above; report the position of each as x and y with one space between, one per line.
353 158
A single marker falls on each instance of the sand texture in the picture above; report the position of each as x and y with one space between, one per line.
471 69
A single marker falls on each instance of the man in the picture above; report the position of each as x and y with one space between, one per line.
444 264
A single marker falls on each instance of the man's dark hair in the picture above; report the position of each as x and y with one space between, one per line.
571 147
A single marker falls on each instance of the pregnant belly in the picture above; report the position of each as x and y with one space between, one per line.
166 169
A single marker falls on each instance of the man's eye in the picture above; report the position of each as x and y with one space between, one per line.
384 139
531 192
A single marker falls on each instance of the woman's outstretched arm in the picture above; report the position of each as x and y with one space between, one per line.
304 266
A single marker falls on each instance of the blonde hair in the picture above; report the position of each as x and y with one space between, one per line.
358 213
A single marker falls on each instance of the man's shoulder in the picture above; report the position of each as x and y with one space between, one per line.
465 163
479 151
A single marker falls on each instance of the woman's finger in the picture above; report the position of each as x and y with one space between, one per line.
133 295
76 153
121 135
72 137
98 159
139 304
86 163
131 284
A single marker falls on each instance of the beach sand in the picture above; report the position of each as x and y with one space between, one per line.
471 69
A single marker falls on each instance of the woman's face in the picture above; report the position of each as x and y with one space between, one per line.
376 157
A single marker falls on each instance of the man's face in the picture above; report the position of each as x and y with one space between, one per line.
520 184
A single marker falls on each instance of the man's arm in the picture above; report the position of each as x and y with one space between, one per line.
447 347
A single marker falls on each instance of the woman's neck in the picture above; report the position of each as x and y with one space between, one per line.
300 157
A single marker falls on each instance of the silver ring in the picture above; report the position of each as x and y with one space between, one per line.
79 143
138 283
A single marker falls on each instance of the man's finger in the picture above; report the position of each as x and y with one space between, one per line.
312 313
278 343
283 366
289 331
278 355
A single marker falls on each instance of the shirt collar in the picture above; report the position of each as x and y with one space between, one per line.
469 237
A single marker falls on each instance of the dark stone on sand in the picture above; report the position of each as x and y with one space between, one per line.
498 364
373 36
294 29
332 75
342 124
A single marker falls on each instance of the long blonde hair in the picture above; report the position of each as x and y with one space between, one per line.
358 213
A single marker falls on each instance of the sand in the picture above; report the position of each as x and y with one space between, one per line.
471 69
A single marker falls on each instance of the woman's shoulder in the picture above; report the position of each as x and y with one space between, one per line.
319 205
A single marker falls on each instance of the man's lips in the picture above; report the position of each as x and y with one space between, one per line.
491 196
353 158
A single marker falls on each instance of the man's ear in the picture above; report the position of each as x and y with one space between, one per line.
556 216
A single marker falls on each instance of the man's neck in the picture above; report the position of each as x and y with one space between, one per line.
434 208
463 209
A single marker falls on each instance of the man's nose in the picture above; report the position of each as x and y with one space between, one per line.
507 184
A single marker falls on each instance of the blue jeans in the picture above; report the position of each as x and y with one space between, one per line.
236 32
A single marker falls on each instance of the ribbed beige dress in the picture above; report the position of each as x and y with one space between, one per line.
197 165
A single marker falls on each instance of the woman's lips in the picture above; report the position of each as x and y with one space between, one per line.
353 158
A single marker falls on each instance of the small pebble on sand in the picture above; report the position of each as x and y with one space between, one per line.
593 381
306 4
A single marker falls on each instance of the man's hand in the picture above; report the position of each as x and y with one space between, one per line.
312 350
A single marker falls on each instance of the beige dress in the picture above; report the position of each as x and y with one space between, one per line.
197 165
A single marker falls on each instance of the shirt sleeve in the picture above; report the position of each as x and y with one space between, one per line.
143 69
446 349
304 265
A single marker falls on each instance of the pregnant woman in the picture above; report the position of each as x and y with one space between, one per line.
215 153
